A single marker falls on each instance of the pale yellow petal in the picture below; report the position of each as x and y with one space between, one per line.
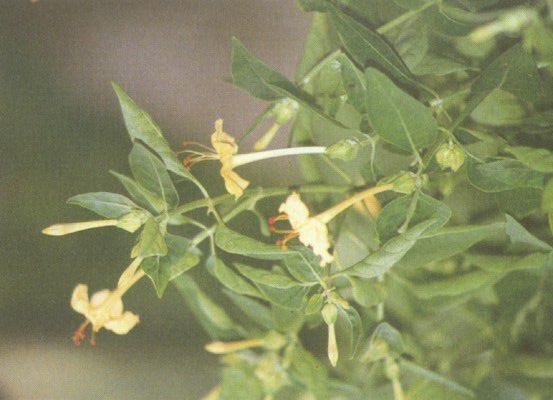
222 142
295 209
79 298
234 183
116 308
99 298
123 324
315 235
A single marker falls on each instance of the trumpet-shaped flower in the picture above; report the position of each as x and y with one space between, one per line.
104 309
225 149
311 231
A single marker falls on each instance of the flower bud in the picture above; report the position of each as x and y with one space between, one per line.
405 182
344 149
285 110
273 341
339 300
330 313
332 348
449 155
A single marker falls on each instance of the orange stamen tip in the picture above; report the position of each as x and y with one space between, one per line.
93 342
272 228
189 167
272 220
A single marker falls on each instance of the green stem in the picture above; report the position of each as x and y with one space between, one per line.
318 66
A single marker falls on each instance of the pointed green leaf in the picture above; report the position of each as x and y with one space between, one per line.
142 196
520 236
540 160
236 243
141 127
151 174
231 279
395 116
253 309
502 175
109 205
266 277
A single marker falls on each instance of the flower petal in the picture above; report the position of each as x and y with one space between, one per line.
234 183
222 142
315 234
79 298
99 298
295 209
123 324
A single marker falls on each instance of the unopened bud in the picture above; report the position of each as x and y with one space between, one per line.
65 229
344 149
339 300
285 110
405 182
329 313
332 349
449 155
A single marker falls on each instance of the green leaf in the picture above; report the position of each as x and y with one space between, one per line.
499 108
109 205
348 331
231 279
393 215
310 372
395 116
266 277
236 243
142 196
498 176
449 388
303 265
252 309
449 20
151 241
212 317
141 127
277 288
540 160
377 263
180 258
240 384
354 84
447 242
519 202
151 174
367 47
521 237
259 80
436 65
314 304
514 71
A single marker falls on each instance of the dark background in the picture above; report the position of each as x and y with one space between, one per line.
61 131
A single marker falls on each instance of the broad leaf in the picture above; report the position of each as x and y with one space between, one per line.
151 241
231 279
521 237
540 160
236 243
253 309
141 195
395 116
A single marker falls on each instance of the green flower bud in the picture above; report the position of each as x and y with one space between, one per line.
405 182
451 156
335 298
285 110
330 313
344 149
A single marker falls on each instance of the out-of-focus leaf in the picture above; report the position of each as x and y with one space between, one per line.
449 20
212 317
151 174
519 202
348 331
436 65
498 176
240 384
151 241
499 108
109 205
540 160
519 235
395 116
435 385
141 127
180 258
252 309
142 196
310 372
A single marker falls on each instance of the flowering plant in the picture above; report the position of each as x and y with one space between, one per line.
417 243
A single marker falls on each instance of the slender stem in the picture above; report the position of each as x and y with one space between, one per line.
242 159
318 66
328 215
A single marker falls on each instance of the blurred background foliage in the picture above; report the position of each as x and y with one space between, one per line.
61 133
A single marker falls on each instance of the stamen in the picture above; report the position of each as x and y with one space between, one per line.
93 339
79 334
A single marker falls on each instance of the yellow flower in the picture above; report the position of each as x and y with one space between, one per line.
225 146
311 232
72 227
105 308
